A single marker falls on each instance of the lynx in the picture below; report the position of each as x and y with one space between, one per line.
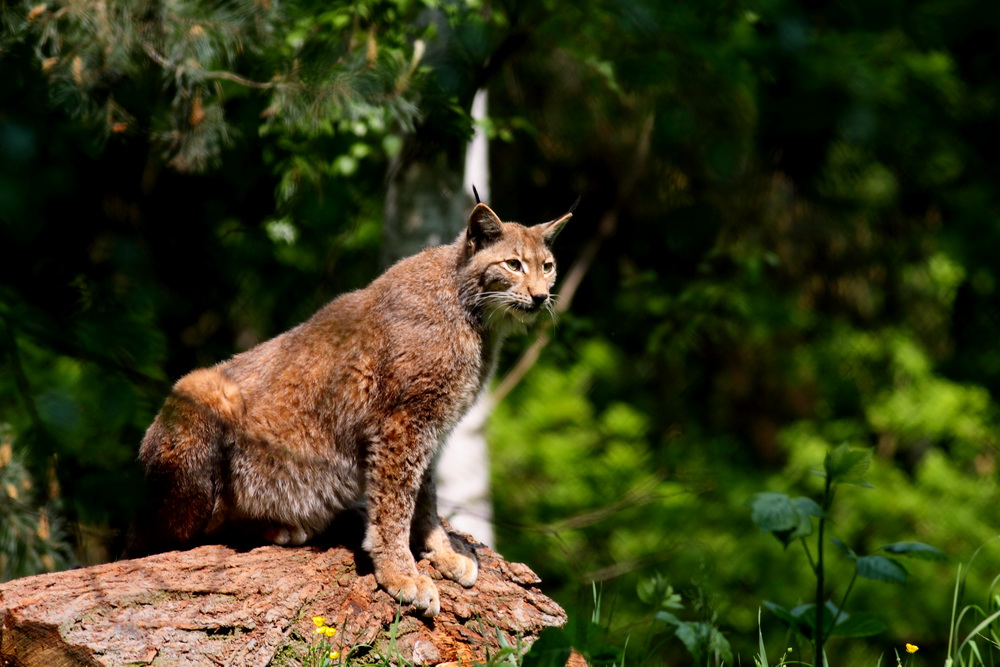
352 406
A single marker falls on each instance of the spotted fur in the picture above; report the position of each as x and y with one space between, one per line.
352 405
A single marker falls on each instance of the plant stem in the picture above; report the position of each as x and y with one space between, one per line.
818 632
843 600
952 635
809 555
818 629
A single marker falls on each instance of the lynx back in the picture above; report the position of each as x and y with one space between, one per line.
352 405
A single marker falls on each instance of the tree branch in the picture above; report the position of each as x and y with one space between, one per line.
158 58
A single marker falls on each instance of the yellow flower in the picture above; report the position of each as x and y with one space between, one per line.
334 655
912 648
319 621
329 632
321 630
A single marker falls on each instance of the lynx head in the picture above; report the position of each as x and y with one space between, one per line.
510 267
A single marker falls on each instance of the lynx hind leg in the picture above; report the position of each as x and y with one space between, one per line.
451 557
182 455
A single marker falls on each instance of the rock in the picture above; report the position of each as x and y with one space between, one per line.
216 605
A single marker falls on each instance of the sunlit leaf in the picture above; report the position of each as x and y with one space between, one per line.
848 465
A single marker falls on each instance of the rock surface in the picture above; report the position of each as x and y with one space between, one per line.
216 605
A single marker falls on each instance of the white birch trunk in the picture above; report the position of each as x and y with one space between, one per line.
464 466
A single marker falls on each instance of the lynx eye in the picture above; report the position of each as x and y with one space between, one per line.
548 266
514 265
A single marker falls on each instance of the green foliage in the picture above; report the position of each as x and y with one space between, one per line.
790 520
702 639
985 632
791 212
315 72
32 534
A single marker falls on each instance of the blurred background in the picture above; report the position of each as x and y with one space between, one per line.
787 241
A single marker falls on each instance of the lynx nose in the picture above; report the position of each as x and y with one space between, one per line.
539 299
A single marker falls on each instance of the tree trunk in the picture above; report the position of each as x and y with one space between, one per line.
464 467
463 475
424 206
216 605
427 203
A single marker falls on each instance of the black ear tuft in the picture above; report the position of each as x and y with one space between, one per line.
484 226
575 204
476 193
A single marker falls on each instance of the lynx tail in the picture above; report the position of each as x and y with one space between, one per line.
182 454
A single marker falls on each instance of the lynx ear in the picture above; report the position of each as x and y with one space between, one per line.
484 226
550 230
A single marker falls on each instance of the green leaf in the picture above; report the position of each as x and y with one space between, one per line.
802 529
667 617
688 634
786 518
848 551
656 590
915 550
858 625
808 507
974 650
505 652
803 619
880 568
793 620
807 614
761 649
719 645
703 640
649 590
773 511
780 611
848 465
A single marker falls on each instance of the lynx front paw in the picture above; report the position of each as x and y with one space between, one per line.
457 566
419 591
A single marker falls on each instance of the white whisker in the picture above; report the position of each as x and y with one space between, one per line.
551 311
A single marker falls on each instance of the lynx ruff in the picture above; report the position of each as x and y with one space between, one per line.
352 405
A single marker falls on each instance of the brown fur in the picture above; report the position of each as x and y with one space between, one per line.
352 405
